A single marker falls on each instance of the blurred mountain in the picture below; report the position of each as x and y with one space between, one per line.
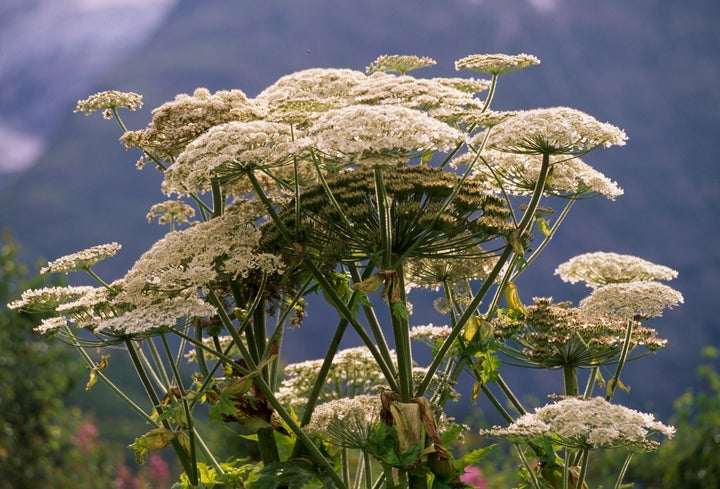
651 68
52 53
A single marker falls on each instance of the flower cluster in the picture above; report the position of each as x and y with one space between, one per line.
384 134
553 131
602 268
557 336
585 423
354 372
109 101
624 286
171 211
496 64
81 260
358 411
399 63
517 174
225 153
177 123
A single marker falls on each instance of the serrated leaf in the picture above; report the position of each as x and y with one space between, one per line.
223 407
472 458
292 474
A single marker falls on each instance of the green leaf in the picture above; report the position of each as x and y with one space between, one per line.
154 439
426 156
293 474
223 407
543 226
472 458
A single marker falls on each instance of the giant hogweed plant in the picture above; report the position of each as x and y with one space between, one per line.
365 189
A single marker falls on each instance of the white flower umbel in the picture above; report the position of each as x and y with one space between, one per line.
47 299
51 325
517 174
298 98
226 153
554 131
585 423
109 101
433 95
171 212
386 134
631 300
602 268
399 63
327 85
496 64
223 247
363 409
354 372
81 260
430 331
176 123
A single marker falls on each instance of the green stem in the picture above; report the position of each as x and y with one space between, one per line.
345 312
623 470
263 386
312 450
186 408
333 201
613 382
570 380
384 219
583 468
372 320
529 215
189 468
200 353
561 217
106 380
345 462
491 92
510 395
528 467
442 352
268 446
323 372
403 349
321 377
590 383
368 470
161 375
503 412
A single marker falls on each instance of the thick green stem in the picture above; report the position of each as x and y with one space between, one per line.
403 349
570 380
268 446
